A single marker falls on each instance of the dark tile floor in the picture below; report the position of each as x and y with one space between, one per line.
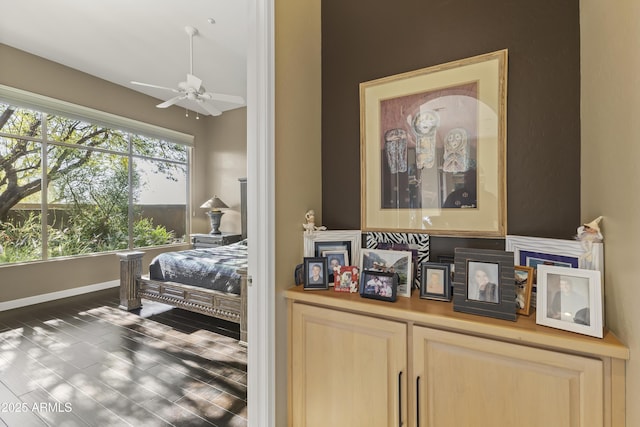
82 361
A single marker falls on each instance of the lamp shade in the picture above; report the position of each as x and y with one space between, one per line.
214 204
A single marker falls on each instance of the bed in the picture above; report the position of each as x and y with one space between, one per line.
210 281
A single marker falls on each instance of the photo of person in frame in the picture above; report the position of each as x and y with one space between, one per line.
435 281
315 274
482 279
569 299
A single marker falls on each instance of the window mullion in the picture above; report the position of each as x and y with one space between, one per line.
130 210
44 201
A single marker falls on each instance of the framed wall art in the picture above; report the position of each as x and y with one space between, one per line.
379 285
394 262
570 299
433 149
416 243
533 251
484 283
436 281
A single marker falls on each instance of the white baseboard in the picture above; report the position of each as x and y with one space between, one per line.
37 299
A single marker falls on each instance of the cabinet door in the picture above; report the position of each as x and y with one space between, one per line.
469 381
346 369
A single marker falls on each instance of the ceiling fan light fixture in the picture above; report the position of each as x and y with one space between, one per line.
192 90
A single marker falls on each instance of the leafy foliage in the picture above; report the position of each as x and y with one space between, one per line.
87 172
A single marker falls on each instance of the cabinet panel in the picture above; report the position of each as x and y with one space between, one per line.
346 369
472 381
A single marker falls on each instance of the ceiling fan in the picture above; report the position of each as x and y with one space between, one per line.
192 88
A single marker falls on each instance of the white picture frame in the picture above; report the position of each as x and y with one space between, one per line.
342 238
588 256
570 299
390 261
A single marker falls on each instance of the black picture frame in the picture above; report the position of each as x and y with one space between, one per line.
387 280
497 269
310 264
337 245
438 274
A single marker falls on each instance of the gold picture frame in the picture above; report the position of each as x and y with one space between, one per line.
433 149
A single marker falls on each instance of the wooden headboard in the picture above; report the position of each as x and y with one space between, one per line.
243 206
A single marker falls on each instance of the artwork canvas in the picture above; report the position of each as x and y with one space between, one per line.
433 149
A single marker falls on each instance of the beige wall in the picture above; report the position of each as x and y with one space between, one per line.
610 55
298 168
34 74
225 162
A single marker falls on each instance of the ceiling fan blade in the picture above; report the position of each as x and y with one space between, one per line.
233 99
194 82
171 101
211 109
154 86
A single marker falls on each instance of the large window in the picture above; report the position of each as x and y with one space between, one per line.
70 186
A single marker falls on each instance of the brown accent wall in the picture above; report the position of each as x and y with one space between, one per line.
382 38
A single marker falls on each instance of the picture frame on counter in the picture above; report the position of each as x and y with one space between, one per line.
378 285
533 251
435 282
523 277
416 243
484 283
316 273
570 299
389 261
318 241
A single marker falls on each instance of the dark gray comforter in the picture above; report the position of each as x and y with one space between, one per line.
211 268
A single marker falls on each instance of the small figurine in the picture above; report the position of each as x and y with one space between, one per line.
310 225
588 234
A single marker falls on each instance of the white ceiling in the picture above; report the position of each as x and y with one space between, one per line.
140 40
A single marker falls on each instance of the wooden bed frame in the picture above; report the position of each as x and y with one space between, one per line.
221 305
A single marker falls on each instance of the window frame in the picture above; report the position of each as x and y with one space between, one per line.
50 106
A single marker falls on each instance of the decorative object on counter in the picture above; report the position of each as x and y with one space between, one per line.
416 243
298 274
420 134
324 240
214 205
570 299
533 251
346 279
379 285
588 234
524 287
394 262
484 283
435 282
316 273
336 259
310 223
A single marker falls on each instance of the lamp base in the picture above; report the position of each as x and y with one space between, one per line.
215 216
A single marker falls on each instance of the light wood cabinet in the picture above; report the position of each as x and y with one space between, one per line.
361 362
350 369
469 381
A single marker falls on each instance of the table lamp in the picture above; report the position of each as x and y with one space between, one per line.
214 205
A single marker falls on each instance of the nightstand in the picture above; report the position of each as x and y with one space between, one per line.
213 240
